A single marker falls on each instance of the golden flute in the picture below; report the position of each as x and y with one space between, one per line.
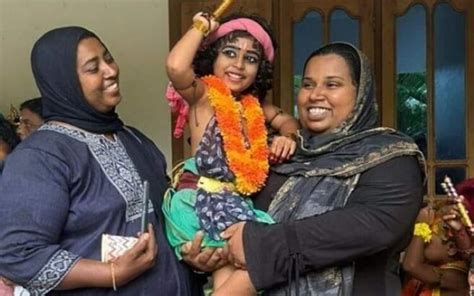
222 8
451 191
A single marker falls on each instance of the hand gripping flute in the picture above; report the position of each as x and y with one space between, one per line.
451 191
225 4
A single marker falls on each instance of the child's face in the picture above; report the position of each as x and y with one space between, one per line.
237 64
437 251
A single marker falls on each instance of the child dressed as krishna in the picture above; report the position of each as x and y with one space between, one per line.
223 73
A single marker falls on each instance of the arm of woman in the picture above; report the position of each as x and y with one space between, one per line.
379 213
179 64
93 273
35 204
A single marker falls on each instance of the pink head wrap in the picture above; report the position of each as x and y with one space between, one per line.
250 26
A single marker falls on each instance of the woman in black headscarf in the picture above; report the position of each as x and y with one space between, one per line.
346 202
80 176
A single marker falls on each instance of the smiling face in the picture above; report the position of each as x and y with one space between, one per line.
98 74
237 64
327 95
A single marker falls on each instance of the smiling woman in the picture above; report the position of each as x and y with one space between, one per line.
346 201
82 175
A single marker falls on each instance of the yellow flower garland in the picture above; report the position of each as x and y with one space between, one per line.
249 165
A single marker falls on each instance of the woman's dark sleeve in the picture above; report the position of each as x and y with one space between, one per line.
35 203
378 214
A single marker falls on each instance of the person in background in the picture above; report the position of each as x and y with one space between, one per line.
433 260
31 117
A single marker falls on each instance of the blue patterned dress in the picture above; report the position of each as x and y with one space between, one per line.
189 210
61 189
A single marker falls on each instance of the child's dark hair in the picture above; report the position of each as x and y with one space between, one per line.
7 133
204 61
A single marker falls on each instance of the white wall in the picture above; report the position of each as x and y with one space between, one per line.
135 31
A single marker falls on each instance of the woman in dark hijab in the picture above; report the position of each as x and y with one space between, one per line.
79 176
347 201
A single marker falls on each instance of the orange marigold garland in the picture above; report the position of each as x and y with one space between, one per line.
249 165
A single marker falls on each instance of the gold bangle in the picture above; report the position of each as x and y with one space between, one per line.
423 230
112 270
201 27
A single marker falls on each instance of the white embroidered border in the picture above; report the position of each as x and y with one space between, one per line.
52 273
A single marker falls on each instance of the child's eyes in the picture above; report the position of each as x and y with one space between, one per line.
252 59
229 53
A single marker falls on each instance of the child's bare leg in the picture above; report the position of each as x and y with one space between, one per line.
221 275
238 284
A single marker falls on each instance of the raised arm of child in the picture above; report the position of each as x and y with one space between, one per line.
179 64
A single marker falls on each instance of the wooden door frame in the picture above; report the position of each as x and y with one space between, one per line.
293 11
391 9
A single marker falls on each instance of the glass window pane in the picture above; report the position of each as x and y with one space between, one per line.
457 174
307 37
449 80
343 28
411 75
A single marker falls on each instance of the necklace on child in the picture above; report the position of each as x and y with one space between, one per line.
247 156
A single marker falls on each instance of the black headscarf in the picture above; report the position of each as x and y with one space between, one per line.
54 61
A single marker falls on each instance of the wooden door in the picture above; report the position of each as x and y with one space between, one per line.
446 129
290 13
